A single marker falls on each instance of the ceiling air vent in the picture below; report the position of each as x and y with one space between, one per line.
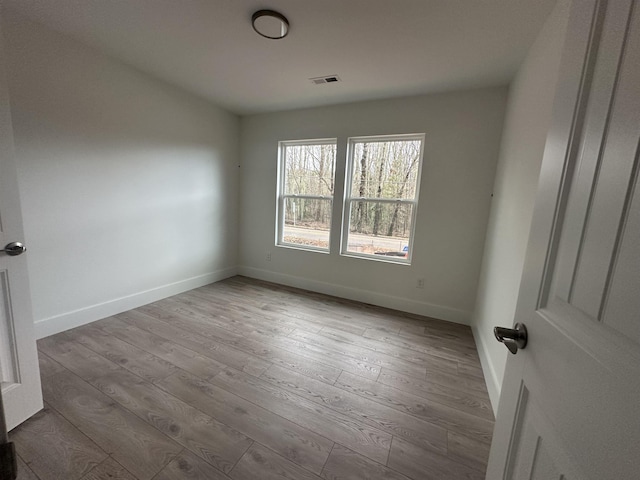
327 79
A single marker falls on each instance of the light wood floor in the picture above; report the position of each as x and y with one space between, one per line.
248 380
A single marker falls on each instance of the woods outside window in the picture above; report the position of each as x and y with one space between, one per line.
381 196
382 181
306 171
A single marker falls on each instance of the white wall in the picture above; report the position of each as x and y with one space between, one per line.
526 123
462 144
128 185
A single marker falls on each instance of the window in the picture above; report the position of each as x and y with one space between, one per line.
305 193
381 196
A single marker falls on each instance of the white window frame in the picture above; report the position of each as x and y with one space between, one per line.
281 196
349 198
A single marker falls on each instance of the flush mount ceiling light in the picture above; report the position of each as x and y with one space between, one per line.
270 24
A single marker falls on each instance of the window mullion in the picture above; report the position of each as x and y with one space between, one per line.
310 197
383 200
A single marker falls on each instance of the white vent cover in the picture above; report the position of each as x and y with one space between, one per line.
325 79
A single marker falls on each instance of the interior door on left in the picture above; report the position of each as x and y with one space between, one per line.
19 371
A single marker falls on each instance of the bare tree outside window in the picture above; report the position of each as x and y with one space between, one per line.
382 195
307 171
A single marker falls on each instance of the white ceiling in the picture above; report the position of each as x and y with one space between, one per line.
379 48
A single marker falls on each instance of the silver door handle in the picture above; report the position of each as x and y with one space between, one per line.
513 338
14 249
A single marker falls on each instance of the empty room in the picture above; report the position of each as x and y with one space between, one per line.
354 239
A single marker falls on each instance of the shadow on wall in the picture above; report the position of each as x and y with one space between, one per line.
139 178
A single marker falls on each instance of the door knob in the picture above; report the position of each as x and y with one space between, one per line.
513 338
14 249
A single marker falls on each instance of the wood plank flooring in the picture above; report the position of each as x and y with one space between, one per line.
246 380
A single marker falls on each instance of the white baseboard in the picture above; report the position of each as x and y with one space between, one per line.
494 386
82 316
397 303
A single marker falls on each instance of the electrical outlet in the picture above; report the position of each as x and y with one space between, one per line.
420 283
268 256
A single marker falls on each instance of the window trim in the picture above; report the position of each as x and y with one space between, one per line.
281 196
348 199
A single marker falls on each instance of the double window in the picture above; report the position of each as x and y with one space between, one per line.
380 196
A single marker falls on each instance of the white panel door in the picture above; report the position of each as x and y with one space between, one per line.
19 372
570 403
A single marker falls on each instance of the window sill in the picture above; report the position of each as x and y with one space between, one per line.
293 246
378 258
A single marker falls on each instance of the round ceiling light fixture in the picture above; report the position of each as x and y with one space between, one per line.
270 24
